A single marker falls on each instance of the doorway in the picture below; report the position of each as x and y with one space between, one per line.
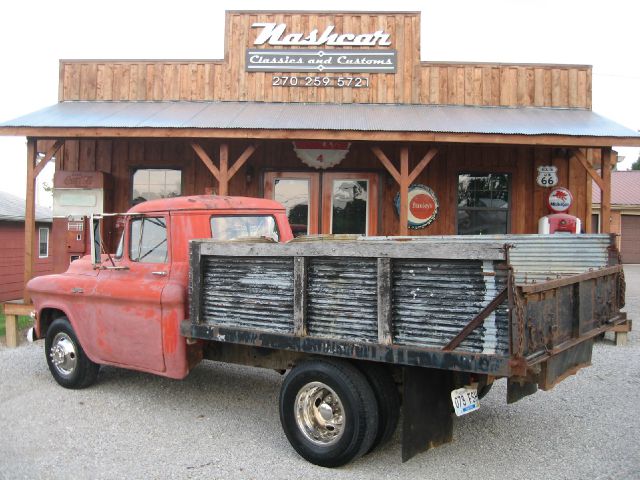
326 202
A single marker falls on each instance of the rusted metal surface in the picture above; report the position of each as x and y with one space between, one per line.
255 292
434 300
495 365
342 298
538 258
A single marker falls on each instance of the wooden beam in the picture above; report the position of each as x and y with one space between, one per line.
223 181
404 191
346 135
48 156
386 162
423 164
242 160
29 216
578 155
605 195
206 159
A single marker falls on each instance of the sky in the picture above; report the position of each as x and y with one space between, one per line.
34 35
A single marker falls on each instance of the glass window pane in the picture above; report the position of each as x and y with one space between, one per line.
349 206
294 195
232 227
150 184
148 240
483 204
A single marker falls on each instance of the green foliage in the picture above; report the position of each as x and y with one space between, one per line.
636 165
23 322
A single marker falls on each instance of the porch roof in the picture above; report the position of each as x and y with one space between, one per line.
382 122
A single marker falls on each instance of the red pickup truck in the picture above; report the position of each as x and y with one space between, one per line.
360 324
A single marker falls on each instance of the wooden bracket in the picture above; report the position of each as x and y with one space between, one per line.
48 156
224 173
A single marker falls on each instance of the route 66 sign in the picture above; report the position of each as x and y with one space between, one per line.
547 176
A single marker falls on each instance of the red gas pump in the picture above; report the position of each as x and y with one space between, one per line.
559 201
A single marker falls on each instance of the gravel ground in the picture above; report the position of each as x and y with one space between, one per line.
222 422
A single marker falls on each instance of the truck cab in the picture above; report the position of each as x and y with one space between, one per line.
126 307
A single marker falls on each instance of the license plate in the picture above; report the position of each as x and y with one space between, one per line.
465 400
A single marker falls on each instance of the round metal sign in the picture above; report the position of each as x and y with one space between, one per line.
560 199
423 206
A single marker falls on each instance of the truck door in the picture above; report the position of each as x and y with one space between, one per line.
129 316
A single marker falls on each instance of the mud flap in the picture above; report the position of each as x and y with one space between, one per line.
427 412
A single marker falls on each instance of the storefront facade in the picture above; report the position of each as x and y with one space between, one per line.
335 116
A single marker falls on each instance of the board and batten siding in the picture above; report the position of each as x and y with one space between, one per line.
119 158
415 82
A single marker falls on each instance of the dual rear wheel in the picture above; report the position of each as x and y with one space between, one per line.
333 412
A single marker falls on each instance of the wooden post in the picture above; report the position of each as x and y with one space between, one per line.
29 216
404 191
223 185
11 312
605 197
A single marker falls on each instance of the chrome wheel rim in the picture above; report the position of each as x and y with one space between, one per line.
63 354
319 413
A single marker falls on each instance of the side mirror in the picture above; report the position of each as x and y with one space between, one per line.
96 241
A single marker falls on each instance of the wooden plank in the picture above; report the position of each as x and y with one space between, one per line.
377 151
206 159
48 156
365 248
29 216
605 195
18 309
383 286
580 156
223 181
573 87
11 330
241 160
300 296
404 191
423 163
538 94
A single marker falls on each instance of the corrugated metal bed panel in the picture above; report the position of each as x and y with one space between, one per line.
434 300
536 258
342 298
317 116
248 292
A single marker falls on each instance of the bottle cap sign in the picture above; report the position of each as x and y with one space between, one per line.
423 206
560 199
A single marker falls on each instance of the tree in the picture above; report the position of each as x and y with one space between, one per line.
636 165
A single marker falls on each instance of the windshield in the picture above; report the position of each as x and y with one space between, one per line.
232 227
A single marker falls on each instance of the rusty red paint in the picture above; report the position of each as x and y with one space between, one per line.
131 316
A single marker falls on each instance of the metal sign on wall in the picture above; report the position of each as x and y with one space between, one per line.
316 59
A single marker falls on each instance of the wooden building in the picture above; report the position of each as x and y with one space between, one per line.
12 252
335 115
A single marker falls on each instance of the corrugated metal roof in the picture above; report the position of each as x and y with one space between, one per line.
625 188
306 116
12 209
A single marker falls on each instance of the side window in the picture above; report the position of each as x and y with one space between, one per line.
154 183
148 240
230 227
483 203
43 242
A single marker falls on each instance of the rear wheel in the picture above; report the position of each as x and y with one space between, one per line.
67 361
328 411
386 392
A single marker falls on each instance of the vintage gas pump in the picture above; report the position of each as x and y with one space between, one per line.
76 196
559 201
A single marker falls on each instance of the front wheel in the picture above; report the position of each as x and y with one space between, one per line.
67 361
328 411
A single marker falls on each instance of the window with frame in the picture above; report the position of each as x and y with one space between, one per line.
154 183
148 240
43 242
230 227
483 203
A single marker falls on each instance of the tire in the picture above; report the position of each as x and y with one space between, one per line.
386 393
68 363
328 412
